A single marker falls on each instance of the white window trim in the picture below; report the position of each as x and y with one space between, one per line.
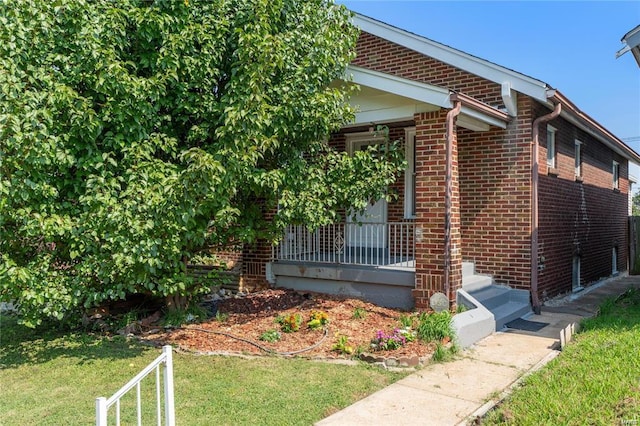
551 147
614 260
409 177
352 138
578 158
615 172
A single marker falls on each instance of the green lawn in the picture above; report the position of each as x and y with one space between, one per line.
595 381
51 378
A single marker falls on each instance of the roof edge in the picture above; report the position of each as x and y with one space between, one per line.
589 124
457 58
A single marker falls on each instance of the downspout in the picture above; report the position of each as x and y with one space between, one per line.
535 300
451 115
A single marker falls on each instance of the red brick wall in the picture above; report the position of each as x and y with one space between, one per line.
585 218
381 55
430 210
495 199
254 259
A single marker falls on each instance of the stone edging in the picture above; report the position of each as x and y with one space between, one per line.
403 361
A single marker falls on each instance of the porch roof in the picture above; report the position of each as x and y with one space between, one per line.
512 82
387 98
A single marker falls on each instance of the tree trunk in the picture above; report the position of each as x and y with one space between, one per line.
175 302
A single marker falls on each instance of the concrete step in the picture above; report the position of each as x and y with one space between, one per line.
508 312
505 303
468 268
492 295
472 283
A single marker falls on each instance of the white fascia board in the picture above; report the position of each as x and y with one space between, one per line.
471 123
421 92
483 117
417 91
474 65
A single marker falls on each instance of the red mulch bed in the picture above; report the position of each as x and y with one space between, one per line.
250 316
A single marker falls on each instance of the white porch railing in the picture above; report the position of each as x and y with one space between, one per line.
389 245
103 404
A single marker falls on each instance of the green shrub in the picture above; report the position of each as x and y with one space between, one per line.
270 336
434 326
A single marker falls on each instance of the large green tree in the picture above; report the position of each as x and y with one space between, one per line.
134 133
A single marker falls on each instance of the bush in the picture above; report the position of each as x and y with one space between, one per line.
435 326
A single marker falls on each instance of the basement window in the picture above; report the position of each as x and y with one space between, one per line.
614 260
551 147
578 160
576 275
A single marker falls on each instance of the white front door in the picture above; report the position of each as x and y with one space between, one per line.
373 231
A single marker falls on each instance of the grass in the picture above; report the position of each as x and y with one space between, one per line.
596 379
49 377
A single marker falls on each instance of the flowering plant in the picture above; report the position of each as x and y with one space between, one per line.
388 342
317 320
289 323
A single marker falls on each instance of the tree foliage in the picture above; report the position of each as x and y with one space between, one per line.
134 133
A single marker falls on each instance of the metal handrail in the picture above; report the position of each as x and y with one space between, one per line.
103 404
378 244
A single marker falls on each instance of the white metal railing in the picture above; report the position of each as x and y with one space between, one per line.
371 244
103 404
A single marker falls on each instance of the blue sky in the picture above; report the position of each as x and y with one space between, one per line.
569 45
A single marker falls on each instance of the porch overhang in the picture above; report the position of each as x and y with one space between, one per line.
385 98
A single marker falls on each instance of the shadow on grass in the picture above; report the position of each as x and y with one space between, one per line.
617 313
21 345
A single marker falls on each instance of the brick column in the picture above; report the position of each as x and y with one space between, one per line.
430 211
255 258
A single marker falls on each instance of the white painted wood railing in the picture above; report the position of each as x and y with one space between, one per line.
103 404
389 245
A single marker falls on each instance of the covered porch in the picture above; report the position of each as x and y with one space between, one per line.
397 254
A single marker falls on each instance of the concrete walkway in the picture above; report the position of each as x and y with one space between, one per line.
456 392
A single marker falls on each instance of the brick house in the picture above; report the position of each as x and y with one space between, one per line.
509 188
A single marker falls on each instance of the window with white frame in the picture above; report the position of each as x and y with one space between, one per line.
578 158
410 174
615 171
614 260
551 146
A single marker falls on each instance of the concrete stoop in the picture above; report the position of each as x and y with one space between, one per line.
505 303
489 306
475 323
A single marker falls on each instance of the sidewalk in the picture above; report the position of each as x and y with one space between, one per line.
455 392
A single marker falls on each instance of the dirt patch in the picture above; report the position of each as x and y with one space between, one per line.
242 321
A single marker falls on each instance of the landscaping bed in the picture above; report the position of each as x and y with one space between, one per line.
257 324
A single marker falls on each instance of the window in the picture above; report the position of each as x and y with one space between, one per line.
578 158
616 175
551 147
410 174
575 280
614 260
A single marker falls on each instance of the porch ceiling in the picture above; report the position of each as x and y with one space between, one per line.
387 98
378 106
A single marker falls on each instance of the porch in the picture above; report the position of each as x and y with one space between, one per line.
374 244
374 261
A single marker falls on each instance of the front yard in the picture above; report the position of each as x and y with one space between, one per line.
595 381
53 378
